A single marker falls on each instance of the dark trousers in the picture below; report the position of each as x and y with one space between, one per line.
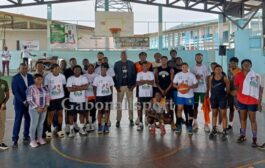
20 112
26 61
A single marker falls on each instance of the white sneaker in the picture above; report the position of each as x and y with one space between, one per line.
72 133
34 144
82 131
93 127
140 127
48 134
206 128
67 129
42 141
88 127
137 121
60 134
195 125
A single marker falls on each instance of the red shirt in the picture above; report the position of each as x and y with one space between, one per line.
244 99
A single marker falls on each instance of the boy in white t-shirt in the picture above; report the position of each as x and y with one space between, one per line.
185 82
91 98
145 82
103 89
55 82
77 86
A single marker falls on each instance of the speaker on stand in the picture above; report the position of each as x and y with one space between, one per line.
222 53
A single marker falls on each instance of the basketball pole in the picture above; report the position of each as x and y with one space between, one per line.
107 47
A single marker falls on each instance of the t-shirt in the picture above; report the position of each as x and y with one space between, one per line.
201 73
186 78
156 65
263 85
25 53
90 78
55 85
77 96
145 90
231 76
239 80
103 84
6 56
3 89
124 74
164 79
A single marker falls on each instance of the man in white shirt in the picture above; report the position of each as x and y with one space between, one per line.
6 56
202 74
25 54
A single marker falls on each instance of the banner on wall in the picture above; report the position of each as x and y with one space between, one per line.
132 42
63 36
33 45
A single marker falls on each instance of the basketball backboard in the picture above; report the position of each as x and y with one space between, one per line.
107 20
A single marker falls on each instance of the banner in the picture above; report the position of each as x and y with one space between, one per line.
132 42
63 36
33 45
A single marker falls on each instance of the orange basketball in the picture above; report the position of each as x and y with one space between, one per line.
183 88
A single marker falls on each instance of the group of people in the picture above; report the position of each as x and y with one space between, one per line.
164 89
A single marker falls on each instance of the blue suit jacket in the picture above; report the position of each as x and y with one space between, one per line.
19 88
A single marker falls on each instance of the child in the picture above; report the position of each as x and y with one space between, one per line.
55 82
103 89
157 113
91 98
77 86
145 81
185 82
38 99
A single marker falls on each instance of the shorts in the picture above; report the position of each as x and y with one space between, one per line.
104 102
76 108
248 107
185 101
199 98
175 96
218 102
144 99
56 105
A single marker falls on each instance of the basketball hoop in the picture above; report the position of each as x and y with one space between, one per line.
115 32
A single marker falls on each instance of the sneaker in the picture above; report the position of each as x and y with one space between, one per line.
82 132
106 129
213 133
137 122
224 135
118 124
195 125
93 127
15 145
3 146
100 129
48 135
206 128
42 141
131 123
60 134
72 133
241 139
67 129
178 129
262 147
140 127
153 129
254 143
76 127
33 144
190 130
26 139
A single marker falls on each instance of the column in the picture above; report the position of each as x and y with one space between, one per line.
49 21
160 27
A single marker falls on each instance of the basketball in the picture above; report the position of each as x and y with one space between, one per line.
183 88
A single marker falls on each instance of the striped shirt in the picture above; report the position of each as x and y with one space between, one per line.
37 97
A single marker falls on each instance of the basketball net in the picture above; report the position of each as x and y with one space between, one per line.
115 32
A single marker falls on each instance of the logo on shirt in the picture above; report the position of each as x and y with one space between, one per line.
56 90
254 81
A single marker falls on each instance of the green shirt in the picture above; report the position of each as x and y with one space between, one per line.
3 90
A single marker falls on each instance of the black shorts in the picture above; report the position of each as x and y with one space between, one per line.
75 108
56 105
219 102
103 102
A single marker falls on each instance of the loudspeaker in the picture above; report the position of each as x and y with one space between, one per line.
18 45
222 50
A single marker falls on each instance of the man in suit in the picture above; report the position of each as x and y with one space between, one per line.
20 82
